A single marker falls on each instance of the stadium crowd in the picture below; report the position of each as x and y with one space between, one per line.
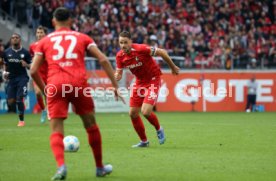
211 34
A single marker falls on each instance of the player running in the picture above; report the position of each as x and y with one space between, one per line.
144 93
40 33
64 51
16 61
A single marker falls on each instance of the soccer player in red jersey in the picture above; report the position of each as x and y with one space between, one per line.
64 51
40 33
138 58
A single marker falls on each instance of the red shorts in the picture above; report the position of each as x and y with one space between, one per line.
145 93
58 104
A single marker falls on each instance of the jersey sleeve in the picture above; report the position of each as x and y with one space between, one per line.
89 41
119 64
148 49
39 49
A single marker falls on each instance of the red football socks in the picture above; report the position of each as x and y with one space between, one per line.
40 102
152 118
95 141
139 128
56 142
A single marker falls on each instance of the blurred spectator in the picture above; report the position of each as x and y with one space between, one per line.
11 6
46 16
201 61
5 5
29 9
20 11
36 14
70 4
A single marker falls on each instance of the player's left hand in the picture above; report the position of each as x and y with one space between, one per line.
119 96
175 70
24 64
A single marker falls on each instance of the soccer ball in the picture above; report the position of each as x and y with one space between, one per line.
71 143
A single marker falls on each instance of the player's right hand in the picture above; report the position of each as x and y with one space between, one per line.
6 75
24 64
175 70
118 76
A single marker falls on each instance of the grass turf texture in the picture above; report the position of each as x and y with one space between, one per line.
199 146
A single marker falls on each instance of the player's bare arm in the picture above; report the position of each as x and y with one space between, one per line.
104 62
37 62
5 73
163 53
118 74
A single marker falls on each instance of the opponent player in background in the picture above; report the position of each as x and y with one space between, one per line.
40 33
64 51
16 61
144 93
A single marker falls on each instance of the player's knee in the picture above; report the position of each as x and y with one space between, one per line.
146 113
88 120
11 101
88 123
133 114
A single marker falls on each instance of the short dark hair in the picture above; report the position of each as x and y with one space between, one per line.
42 28
125 34
62 14
16 34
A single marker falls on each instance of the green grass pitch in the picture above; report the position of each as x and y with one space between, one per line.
199 147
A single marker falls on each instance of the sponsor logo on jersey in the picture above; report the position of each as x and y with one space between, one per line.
66 64
14 60
134 65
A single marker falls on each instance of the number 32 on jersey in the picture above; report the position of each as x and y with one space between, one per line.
69 52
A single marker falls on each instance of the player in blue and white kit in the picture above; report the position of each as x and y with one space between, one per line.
16 61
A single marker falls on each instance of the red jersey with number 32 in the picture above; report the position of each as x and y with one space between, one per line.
44 67
64 51
140 62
